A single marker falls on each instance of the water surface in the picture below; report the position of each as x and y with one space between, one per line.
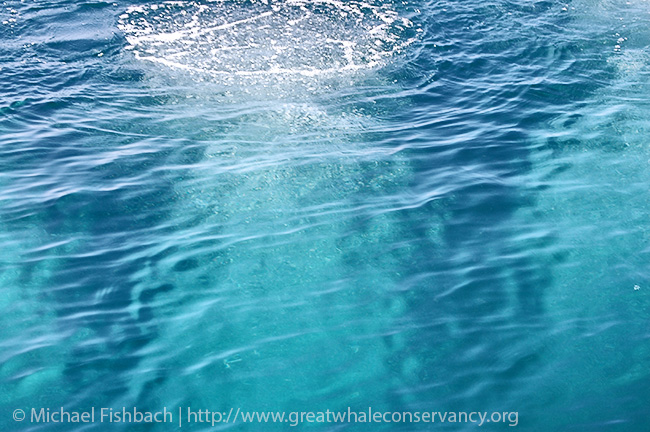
308 205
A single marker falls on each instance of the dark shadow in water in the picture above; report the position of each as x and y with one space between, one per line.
476 292
94 286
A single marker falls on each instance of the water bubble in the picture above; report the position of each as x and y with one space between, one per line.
252 37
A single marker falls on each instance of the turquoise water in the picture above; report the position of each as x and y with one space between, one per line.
308 205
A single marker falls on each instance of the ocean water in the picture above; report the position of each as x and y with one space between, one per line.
310 205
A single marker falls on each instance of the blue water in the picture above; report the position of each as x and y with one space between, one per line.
301 206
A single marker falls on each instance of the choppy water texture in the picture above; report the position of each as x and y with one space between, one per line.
306 205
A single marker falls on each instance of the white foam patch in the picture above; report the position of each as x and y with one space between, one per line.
250 37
